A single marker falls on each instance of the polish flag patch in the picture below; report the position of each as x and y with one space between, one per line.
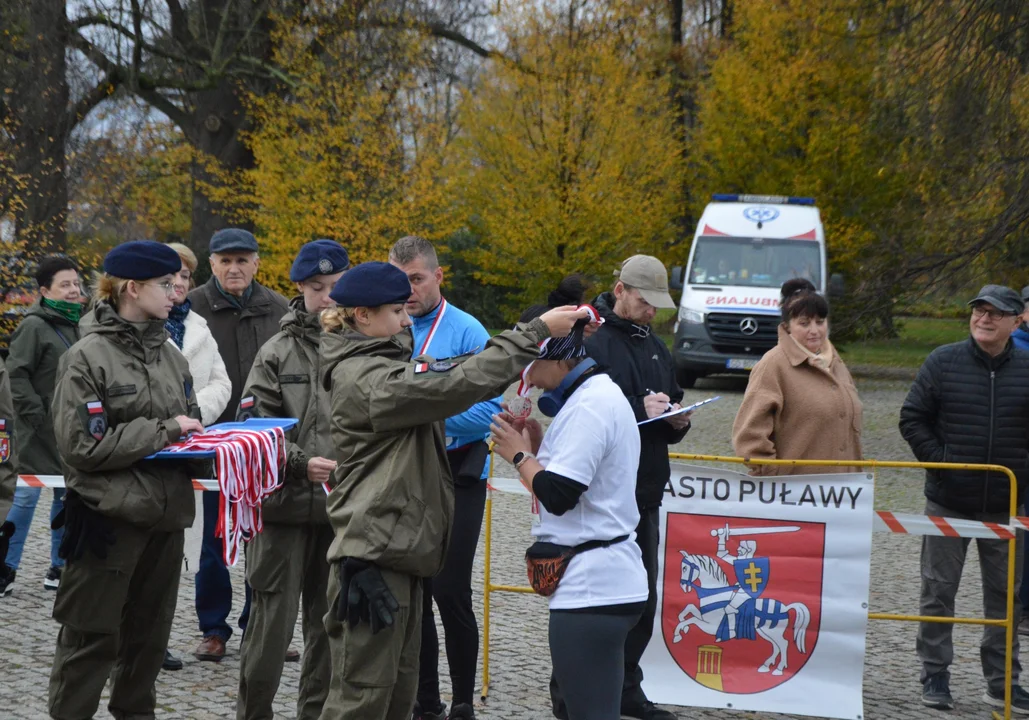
246 403
95 408
421 367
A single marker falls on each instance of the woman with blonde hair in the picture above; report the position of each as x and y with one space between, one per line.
801 402
123 394
392 503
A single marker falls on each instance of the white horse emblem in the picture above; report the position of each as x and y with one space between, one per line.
730 611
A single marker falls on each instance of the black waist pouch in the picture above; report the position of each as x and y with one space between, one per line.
467 462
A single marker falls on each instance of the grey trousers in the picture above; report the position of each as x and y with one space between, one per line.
942 561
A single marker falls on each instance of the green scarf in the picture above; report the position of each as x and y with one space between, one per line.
69 310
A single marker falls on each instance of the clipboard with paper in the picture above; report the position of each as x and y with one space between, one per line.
680 411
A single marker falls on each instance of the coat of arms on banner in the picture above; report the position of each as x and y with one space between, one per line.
742 598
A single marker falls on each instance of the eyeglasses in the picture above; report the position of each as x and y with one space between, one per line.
168 287
978 311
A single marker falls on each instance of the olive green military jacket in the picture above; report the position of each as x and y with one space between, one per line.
284 383
8 466
393 499
37 345
118 393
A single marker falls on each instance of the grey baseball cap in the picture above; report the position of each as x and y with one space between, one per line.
233 240
1001 297
648 275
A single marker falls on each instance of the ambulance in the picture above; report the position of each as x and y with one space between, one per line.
745 248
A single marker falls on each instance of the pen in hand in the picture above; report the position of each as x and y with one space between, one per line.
670 406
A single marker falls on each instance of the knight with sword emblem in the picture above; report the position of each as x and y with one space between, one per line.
751 578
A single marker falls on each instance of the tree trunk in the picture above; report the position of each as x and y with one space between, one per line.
40 124
214 129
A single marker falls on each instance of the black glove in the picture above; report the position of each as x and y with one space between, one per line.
6 531
83 528
364 596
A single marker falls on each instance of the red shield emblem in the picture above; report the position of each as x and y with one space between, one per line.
742 598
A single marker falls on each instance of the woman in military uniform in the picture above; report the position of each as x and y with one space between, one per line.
8 475
123 394
393 500
286 561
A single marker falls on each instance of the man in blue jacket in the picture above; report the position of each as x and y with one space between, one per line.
441 331
970 404
1021 335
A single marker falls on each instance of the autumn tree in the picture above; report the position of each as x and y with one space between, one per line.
568 160
350 152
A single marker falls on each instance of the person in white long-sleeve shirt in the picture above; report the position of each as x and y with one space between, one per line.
189 333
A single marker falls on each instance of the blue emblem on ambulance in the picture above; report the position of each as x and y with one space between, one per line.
761 213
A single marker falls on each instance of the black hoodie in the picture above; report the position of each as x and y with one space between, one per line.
639 361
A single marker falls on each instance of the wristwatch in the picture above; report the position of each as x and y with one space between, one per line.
519 459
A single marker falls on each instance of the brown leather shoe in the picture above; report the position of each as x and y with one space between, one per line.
292 655
211 649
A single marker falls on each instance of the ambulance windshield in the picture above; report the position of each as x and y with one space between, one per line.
754 262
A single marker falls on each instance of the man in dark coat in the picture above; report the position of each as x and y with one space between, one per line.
641 365
242 315
970 404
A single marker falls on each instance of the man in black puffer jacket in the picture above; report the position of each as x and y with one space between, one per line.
641 365
970 404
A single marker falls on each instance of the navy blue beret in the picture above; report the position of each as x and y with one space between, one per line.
371 284
233 240
321 257
142 260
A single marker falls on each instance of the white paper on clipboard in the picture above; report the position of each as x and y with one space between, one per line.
689 408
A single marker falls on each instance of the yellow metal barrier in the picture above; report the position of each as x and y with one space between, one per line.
1007 622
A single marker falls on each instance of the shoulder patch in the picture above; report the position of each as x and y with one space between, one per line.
95 419
247 409
442 366
5 442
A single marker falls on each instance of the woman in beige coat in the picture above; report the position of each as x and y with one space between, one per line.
801 402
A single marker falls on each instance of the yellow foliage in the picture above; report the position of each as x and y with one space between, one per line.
347 154
569 159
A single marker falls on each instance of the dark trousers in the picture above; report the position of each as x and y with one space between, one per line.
942 561
452 591
586 650
647 536
213 586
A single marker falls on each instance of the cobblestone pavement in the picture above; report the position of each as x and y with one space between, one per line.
520 657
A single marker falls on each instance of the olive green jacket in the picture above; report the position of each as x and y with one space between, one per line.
284 383
42 337
393 498
8 466
119 389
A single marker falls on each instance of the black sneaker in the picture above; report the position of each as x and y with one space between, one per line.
7 575
462 711
646 711
52 581
936 692
171 662
1019 700
440 713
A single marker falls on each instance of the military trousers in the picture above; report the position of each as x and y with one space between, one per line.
943 559
287 571
375 677
115 615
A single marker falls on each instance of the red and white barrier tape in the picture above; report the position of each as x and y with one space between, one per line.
899 523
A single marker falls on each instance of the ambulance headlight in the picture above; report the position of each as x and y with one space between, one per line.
691 317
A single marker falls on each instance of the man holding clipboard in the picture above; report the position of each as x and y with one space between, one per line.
641 365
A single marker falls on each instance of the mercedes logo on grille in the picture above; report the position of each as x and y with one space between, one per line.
748 326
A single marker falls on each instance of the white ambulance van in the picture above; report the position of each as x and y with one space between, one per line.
745 248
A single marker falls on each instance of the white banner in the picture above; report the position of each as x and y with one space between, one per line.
762 592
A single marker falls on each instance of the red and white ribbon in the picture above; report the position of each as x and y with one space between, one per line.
435 326
249 466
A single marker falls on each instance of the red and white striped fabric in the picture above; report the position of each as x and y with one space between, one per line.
249 466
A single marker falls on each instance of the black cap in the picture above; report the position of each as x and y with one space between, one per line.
1001 297
233 240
